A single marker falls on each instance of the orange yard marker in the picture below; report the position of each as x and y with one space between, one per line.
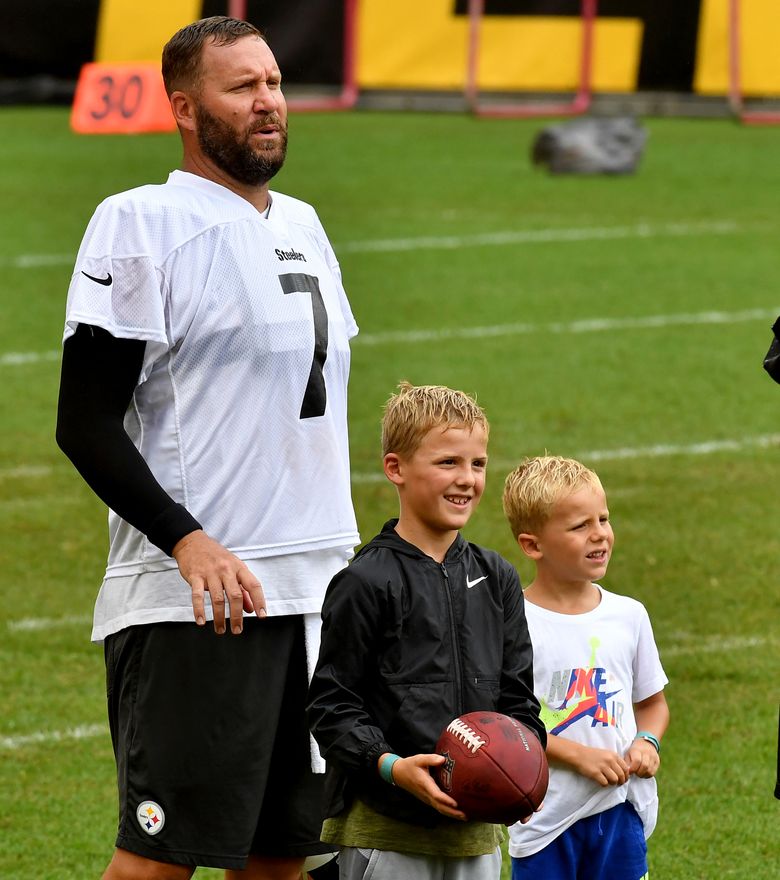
121 98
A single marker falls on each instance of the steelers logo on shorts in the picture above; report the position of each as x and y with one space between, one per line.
150 817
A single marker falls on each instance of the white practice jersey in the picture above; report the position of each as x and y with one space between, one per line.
241 406
589 670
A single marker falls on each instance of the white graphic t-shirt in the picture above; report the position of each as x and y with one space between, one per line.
589 670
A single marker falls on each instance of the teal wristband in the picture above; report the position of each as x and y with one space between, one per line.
386 767
651 738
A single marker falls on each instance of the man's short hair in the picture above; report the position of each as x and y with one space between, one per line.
535 486
415 409
182 54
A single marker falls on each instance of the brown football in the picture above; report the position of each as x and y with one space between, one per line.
496 768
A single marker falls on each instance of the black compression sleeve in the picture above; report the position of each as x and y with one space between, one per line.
99 376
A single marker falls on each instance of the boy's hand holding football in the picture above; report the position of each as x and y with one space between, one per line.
413 775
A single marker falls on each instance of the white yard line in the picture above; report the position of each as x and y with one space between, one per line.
24 471
538 236
35 261
711 645
661 450
449 242
32 624
20 358
585 325
40 737
716 645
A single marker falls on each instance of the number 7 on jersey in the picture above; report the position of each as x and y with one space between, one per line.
315 396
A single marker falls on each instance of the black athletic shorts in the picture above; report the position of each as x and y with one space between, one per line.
211 745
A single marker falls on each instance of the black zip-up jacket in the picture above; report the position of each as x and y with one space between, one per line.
408 644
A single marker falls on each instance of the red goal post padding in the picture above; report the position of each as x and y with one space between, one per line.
348 96
736 97
527 109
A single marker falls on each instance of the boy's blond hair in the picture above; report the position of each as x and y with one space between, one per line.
415 409
532 489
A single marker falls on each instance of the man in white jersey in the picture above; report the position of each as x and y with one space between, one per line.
203 398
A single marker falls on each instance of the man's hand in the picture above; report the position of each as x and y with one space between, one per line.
412 774
207 565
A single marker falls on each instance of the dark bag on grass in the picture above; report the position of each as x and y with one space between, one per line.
591 145
772 357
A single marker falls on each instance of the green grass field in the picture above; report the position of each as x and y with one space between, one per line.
620 320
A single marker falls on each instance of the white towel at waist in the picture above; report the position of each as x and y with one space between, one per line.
311 629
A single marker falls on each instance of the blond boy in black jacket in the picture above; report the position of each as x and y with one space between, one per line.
421 627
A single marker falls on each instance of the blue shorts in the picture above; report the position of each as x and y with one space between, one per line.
607 846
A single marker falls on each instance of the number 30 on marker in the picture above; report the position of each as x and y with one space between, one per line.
121 99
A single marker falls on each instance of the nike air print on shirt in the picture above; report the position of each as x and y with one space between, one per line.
589 670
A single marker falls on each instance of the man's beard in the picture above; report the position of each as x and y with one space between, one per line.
235 155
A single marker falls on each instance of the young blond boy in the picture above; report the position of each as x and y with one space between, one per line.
421 627
599 680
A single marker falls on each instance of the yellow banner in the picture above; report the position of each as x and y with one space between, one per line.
408 44
422 44
759 56
137 30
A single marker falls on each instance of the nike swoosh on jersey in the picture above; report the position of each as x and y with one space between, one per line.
470 583
104 281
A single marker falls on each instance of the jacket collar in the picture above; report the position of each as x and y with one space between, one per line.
389 538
